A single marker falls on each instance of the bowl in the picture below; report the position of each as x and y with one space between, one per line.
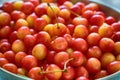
6 75
113 11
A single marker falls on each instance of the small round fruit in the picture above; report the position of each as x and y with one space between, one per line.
69 75
18 58
106 44
106 58
97 20
4 18
81 71
80 44
94 51
39 51
80 31
78 58
53 10
91 65
113 67
29 62
80 21
3 61
10 56
59 59
18 46
93 39
105 30
117 47
53 75
101 73
59 44
10 67
34 73
22 32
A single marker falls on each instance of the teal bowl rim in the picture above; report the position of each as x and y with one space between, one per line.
6 75
9 75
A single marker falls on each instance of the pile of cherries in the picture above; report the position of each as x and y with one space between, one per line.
47 40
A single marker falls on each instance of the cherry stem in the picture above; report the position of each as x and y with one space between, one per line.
65 65
75 13
64 70
45 72
54 14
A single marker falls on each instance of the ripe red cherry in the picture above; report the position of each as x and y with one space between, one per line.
40 10
15 15
116 26
34 73
116 36
5 46
59 44
93 39
50 56
80 44
59 59
29 60
3 61
69 75
8 7
97 20
113 67
10 67
106 44
101 73
91 65
13 36
27 8
87 14
10 56
29 40
18 58
5 31
53 75
4 18
94 51
81 71
110 20
35 2
78 58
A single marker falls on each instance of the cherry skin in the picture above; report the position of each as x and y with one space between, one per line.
29 60
59 44
53 75
91 65
10 56
59 59
10 67
69 75
3 61
34 73
78 58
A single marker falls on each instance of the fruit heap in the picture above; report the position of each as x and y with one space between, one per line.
58 41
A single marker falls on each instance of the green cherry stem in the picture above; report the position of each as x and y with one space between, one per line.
65 65
64 70
75 13
54 14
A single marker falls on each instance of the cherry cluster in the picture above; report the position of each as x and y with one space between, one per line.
47 40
